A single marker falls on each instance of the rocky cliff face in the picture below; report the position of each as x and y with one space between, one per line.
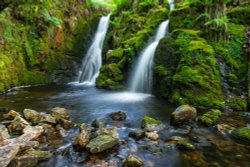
41 41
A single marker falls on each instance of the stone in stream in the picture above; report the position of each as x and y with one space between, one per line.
99 123
106 139
132 161
66 124
118 116
75 156
4 109
210 118
36 117
17 125
183 114
154 148
4 134
151 124
10 147
137 134
83 137
11 115
152 136
242 134
30 158
60 113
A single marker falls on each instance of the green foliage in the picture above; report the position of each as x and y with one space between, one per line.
240 15
242 133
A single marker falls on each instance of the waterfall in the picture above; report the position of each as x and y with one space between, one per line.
142 75
92 62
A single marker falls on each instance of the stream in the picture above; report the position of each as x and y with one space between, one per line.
86 103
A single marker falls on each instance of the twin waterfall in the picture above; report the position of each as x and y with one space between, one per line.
142 75
92 62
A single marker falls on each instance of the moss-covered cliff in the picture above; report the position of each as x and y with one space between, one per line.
202 61
42 41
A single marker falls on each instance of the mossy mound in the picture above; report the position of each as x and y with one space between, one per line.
210 117
238 103
110 77
242 134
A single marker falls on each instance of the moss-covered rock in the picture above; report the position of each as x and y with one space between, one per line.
238 103
151 124
242 134
210 118
110 77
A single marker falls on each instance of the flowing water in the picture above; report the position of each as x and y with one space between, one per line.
86 103
142 75
92 62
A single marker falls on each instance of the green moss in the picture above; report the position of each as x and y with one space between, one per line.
238 103
148 120
114 55
240 15
242 133
185 144
110 77
210 117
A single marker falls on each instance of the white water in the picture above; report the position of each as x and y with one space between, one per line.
142 75
92 62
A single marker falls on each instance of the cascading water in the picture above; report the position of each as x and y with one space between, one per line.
142 77
92 62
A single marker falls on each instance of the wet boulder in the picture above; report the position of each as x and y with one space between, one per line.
210 118
99 123
106 139
132 161
11 115
183 114
4 109
4 134
31 115
182 143
66 124
242 134
75 156
30 158
83 137
60 113
18 124
118 116
154 148
151 124
152 136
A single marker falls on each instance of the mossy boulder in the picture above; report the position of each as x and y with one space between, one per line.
151 124
210 118
114 55
238 103
110 77
242 134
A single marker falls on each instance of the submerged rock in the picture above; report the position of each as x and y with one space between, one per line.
154 148
151 124
210 117
183 114
132 161
182 143
60 113
242 134
106 139
136 134
99 123
75 156
118 116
